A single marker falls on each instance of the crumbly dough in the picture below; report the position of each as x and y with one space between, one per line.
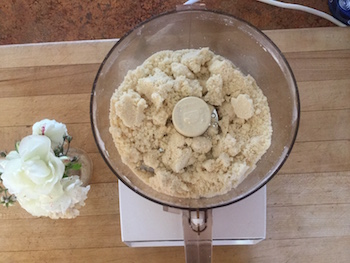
203 166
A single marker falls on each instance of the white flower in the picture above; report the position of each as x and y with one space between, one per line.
34 175
67 205
52 129
34 170
63 202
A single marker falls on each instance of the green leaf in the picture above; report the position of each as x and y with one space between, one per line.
3 154
75 166
17 146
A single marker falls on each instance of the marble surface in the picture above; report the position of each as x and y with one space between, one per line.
32 21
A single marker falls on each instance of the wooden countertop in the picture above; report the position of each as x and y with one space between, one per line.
308 201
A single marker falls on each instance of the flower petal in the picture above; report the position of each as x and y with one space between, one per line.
37 171
34 146
32 206
14 178
12 155
3 163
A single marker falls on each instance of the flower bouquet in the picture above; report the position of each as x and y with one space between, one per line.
40 174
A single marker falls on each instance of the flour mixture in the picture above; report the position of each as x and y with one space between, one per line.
193 167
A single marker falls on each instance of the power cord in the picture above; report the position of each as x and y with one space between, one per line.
304 9
295 7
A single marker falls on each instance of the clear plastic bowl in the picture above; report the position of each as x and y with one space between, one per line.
248 48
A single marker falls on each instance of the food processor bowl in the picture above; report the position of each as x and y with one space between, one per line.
245 46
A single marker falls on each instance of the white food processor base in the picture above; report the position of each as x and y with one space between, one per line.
147 224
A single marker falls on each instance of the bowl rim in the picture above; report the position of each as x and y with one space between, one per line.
245 194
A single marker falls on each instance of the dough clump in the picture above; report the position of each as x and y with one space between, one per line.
203 166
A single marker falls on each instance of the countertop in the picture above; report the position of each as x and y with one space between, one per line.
29 21
308 207
308 201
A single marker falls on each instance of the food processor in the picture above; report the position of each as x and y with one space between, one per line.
193 27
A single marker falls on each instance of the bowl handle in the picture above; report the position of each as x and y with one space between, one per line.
197 227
